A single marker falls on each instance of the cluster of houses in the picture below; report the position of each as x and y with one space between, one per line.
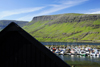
80 50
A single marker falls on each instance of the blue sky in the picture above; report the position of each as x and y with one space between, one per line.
25 10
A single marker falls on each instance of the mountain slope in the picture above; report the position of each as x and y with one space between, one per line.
4 23
65 28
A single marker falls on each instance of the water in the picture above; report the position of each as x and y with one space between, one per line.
68 43
80 58
75 58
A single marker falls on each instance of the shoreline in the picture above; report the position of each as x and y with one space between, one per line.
83 64
77 42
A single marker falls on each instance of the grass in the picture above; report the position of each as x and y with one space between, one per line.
83 64
96 22
84 31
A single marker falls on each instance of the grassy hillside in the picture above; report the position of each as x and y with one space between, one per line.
65 28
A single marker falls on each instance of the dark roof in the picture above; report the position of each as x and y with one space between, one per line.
7 35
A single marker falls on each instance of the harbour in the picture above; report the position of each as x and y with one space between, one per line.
75 50
87 54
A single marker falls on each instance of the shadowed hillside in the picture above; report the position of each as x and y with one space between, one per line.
4 23
65 28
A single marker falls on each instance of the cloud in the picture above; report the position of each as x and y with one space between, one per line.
27 18
18 11
93 11
97 12
62 5
59 5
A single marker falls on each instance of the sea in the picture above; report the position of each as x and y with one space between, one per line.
68 43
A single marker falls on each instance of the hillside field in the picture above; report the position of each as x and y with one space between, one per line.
65 28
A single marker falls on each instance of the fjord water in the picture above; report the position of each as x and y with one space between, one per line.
78 57
68 43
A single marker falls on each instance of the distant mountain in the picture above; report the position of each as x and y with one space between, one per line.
65 28
4 23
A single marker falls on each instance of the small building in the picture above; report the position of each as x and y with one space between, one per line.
20 49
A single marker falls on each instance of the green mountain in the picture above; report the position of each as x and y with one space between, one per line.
65 28
4 23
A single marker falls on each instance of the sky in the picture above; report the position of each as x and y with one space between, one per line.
26 10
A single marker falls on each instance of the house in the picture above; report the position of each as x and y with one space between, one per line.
20 49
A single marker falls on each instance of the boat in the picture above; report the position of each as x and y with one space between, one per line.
83 53
57 51
62 52
72 52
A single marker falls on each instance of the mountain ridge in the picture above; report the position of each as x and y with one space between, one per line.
70 27
70 16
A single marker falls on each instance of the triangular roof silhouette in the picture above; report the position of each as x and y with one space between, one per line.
20 49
